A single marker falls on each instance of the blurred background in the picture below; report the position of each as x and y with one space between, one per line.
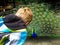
46 19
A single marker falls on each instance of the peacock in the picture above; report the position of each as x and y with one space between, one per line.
34 35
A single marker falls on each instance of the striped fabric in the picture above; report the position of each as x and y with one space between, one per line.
12 37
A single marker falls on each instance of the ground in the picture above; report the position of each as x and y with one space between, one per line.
43 41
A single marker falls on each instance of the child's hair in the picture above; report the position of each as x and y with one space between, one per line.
25 14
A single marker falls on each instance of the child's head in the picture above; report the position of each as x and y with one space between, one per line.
25 14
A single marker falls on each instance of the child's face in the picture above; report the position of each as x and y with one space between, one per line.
25 14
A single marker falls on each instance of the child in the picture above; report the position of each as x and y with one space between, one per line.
13 27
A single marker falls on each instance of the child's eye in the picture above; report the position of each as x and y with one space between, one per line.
29 15
24 9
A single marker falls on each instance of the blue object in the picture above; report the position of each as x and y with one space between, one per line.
1 22
22 38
